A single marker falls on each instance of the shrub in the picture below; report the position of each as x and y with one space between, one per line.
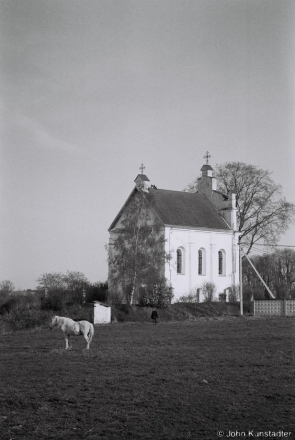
3 298
124 312
24 320
55 300
192 297
208 290
75 297
8 306
234 293
20 301
97 292
156 294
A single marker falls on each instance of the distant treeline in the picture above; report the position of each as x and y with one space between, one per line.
55 291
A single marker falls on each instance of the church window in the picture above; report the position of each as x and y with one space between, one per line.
201 262
221 262
179 260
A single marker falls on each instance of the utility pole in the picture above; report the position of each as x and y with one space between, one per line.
241 279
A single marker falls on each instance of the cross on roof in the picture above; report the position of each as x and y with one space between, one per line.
207 156
142 168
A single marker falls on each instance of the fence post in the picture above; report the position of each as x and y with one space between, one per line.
285 307
241 278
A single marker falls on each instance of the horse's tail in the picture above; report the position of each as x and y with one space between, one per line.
90 333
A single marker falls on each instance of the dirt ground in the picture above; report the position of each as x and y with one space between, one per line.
206 379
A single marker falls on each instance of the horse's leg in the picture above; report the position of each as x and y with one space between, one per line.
87 340
70 345
90 335
67 342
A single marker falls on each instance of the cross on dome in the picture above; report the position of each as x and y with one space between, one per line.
142 168
207 156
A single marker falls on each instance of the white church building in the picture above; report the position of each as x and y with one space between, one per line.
200 235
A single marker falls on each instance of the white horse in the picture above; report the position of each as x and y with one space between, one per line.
70 327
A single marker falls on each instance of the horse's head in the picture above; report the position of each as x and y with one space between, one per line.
53 322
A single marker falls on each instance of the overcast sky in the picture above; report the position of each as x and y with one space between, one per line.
92 89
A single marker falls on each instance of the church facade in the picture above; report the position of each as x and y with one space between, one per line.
199 231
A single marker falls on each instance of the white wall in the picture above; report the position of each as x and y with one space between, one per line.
191 240
102 313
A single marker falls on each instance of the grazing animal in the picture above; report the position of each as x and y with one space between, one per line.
154 316
70 327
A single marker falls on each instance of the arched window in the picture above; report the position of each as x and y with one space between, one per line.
201 262
179 260
221 262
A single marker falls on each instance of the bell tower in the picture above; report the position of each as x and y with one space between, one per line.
207 182
142 181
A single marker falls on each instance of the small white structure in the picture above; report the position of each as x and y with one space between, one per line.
102 313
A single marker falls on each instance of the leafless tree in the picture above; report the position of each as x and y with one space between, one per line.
136 251
263 214
277 270
6 287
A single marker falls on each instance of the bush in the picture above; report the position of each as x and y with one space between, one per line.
124 312
55 300
15 302
234 293
8 306
97 292
192 297
24 320
3 298
158 294
208 290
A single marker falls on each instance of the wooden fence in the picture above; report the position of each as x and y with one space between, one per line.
274 307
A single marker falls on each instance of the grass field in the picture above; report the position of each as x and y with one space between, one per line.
178 380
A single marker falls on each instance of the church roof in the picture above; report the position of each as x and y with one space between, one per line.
181 208
142 177
206 167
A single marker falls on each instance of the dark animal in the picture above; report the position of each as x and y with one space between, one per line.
154 316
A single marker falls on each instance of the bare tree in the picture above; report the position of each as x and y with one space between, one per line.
276 269
70 287
286 268
51 281
76 285
263 214
136 250
75 280
6 287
